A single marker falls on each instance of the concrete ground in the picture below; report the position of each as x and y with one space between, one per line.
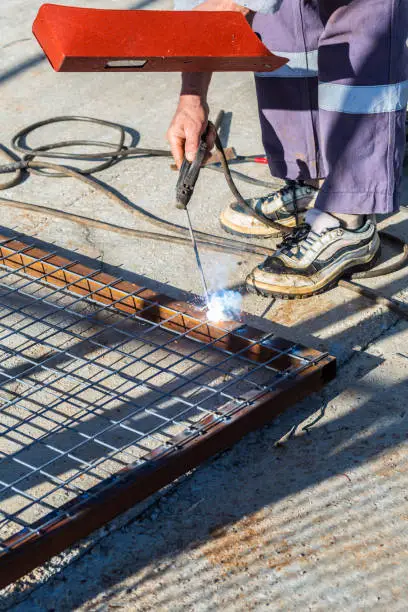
318 522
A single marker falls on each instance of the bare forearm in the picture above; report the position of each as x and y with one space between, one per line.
191 118
195 84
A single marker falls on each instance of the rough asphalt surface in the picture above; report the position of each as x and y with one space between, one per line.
316 522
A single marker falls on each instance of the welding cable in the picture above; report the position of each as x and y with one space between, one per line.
28 164
217 243
18 143
282 229
396 306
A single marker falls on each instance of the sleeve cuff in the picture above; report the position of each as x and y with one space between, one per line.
259 6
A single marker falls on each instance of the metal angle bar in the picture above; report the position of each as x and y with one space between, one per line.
58 292
23 267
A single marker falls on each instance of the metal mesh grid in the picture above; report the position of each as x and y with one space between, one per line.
86 391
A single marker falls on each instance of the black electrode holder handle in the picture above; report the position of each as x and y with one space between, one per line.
189 172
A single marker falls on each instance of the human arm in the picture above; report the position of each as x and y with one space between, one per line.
191 116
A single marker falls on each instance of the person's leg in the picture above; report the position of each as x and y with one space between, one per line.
287 101
362 96
363 91
287 98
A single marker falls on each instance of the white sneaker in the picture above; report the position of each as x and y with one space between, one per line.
278 206
314 256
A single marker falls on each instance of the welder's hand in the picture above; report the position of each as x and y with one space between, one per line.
188 125
225 5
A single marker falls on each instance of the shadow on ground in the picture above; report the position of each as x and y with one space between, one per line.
256 474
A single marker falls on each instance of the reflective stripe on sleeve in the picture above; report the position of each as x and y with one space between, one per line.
300 65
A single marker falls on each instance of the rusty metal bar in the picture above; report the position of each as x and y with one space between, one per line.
130 298
231 380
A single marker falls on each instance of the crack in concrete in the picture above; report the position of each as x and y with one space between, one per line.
374 339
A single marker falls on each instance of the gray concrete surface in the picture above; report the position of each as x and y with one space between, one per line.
317 523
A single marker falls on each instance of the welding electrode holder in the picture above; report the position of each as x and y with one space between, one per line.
189 172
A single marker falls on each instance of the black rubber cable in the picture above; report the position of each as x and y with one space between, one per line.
28 163
219 243
18 143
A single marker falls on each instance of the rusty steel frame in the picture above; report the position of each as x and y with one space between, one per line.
301 371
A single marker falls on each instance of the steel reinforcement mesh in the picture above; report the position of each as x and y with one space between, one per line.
86 390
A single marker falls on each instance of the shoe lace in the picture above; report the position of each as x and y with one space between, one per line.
290 187
297 235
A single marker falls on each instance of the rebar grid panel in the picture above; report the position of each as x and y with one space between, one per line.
109 391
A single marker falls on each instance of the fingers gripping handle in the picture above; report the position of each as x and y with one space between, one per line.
189 172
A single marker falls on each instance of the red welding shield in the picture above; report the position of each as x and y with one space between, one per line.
94 40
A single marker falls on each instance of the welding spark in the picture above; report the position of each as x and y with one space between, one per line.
224 306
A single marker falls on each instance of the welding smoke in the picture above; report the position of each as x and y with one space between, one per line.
224 306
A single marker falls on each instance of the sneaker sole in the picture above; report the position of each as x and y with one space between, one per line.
268 232
264 291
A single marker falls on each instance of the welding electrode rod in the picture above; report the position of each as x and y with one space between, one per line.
197 255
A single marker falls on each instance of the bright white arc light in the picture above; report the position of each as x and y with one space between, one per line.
224 306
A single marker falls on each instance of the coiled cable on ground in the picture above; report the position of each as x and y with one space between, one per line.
28 163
